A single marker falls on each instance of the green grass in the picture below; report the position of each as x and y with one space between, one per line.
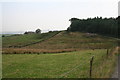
75 40
6 35
57 65
20 40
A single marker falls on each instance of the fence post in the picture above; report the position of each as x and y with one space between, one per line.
91 62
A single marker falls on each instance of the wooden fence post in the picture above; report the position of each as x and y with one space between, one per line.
91 63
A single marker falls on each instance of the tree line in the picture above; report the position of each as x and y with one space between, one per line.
99 25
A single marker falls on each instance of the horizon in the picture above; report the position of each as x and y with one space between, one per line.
52 15
22 32
44 31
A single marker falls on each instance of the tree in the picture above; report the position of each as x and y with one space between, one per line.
73 19
38 31
25 33
104 26
3 35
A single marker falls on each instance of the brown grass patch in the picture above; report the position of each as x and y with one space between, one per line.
33 51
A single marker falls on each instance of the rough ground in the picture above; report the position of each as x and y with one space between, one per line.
116 74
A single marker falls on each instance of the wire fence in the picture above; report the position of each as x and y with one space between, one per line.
91 63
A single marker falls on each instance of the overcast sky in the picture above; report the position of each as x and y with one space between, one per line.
21 15
119 8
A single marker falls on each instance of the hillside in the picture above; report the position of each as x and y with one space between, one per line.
41 57
61 42
75 40
25 39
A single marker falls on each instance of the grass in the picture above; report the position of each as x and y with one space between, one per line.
74 40
72 53
58 65
33 51
21 40
62 42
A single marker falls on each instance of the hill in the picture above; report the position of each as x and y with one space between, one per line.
25 39
75 40
28 61
60 42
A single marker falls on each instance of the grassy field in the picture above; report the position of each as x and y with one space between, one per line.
57 55
75 40
61 42
21 40
64 65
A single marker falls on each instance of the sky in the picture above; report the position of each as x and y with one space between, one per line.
29 15
119 8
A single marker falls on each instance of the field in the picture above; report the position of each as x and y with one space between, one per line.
61 42
64 65
23 40
58 55
74 40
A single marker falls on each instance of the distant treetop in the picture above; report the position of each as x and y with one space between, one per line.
38 31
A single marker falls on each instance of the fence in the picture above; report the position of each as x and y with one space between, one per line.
91 65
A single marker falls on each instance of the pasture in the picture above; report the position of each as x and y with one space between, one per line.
75 40
58 55
25 39
60 42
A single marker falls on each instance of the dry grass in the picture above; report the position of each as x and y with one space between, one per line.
74 40
33 51
65 42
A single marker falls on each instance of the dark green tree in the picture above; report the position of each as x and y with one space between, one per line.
99 25
38 31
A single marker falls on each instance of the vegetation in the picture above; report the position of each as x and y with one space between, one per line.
38 31
64 65
99 25
36 55
75 41
22 40
65 42
118 26
6 35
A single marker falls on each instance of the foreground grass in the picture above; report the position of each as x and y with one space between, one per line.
64 65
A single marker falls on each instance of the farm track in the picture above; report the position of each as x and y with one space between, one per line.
33 42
